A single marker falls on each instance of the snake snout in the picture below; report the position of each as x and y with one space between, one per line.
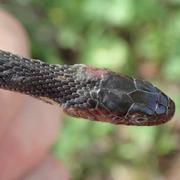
165 107
170 109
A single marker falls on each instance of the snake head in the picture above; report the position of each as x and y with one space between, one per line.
106 96
133 102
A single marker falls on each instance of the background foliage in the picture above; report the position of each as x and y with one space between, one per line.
137 38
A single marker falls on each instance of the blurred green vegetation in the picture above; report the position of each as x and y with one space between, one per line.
136 38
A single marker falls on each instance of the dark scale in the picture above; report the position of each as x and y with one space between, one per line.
36 78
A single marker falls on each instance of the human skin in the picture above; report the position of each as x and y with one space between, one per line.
28 127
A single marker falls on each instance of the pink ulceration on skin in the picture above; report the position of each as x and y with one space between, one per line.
95 72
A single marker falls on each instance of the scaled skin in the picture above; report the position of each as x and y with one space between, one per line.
28 127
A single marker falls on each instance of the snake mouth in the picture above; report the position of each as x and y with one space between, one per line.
166 117
170 109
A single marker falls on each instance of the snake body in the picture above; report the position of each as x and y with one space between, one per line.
87 92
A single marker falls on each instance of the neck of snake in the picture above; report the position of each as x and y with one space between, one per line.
51 83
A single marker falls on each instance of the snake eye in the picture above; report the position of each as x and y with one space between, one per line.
141 120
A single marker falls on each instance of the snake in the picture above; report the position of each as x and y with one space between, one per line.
87 92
